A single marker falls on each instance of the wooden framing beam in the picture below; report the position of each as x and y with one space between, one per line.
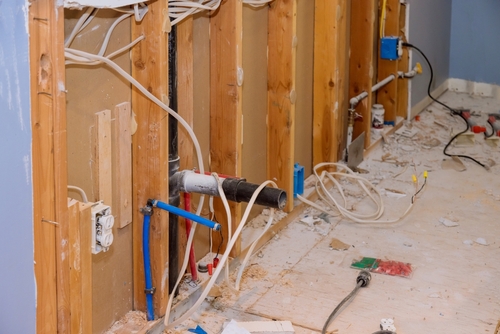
150 152
281 94
226 78
80 262
403 66
361 64
48 125
388 95
104 157
122 162
330 79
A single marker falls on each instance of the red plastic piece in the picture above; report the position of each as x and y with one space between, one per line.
216 262
394 268
210 269
417 118
478 129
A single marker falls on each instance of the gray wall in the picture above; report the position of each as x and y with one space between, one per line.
430 31
17 280
475 31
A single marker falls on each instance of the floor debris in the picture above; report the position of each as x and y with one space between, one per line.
482 241
454 163
448 222
336 244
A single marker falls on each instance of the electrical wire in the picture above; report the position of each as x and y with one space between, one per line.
362 280
382 18
222 262
369 189
454 112
339 306
81 191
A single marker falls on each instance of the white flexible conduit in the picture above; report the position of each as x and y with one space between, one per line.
81 191
370 190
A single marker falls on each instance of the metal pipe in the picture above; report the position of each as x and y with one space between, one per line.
173 157
179 212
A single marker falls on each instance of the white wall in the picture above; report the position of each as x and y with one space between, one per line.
17 280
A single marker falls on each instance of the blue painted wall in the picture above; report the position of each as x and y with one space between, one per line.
430 31
475 34
17 279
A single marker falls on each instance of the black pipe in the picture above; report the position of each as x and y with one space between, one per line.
173 163
238 190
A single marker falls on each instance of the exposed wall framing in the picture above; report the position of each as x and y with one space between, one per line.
361 65
331 49
226 79
281 97
388 95
48 125
334 81
150 152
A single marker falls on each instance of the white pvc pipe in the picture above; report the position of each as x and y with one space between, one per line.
192 182
355 100
382 83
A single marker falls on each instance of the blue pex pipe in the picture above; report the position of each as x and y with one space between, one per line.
147 267
182 213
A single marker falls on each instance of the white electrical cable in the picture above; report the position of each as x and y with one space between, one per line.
80 25
81 191
180 9
223 260
228 214
80 60
256 3
366 185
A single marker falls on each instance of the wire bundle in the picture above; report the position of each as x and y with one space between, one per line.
369 189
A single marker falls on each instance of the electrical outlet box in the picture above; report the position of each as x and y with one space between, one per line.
102 227
389 48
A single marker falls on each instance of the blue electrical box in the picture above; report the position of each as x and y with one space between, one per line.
298 180
389 48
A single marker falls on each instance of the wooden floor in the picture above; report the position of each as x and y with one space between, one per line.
454 288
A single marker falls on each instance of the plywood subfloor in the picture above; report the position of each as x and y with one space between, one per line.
454 287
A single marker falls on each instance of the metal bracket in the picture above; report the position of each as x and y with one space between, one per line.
147 210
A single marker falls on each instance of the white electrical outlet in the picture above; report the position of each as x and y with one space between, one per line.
102 227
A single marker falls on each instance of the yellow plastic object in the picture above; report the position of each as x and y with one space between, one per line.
419 68
425 174
414 177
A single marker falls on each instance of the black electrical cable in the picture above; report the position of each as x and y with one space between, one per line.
362 280
421 188
220 244
384 332
453 111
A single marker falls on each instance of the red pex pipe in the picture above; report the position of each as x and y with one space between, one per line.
192 258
